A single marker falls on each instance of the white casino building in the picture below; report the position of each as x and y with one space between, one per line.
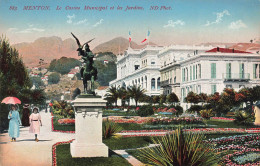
139 67
170 58
181 69
219 68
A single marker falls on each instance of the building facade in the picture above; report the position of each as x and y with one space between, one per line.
139 67
217 69
171 58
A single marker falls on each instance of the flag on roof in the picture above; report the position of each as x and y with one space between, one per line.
146 38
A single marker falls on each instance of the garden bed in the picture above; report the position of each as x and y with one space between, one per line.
235 149
57 127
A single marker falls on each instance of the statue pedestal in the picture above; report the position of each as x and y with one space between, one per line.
257 116
88 127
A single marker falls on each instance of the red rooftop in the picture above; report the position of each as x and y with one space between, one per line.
227 50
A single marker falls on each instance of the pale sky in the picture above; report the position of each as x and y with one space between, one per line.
188 21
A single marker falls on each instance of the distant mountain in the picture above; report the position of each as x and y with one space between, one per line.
218 44
250 47
117 45
49 48
46 48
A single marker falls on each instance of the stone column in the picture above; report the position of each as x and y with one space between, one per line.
88 127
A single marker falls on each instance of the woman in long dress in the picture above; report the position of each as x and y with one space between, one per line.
26 114
35 122
15 121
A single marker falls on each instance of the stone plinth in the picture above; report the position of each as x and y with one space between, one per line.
88 127
257 115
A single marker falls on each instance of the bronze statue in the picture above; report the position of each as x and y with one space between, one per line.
88 70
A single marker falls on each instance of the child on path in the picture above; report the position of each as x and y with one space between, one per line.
35 122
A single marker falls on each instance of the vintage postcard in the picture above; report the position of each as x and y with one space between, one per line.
129 82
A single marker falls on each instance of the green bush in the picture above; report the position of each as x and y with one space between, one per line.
62 109
243 118
206 113
109 129
145 110
195 108
54 78
179 110
180 149
207 106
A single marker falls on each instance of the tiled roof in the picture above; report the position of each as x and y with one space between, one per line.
227 50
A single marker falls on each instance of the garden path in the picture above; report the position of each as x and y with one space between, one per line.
25 151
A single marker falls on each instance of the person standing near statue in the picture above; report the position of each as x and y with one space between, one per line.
26 114
15 121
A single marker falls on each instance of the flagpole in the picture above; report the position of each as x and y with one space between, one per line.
148 37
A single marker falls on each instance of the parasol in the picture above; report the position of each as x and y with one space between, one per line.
11 100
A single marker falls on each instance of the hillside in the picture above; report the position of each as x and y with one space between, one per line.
46 48
49 48
250 47
117 44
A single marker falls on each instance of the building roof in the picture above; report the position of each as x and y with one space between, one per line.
227 50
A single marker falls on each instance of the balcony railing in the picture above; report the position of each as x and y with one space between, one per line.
168 82
236 76
164 83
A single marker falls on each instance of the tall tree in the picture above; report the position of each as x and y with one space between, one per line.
193 98
172 98
14 79
135 92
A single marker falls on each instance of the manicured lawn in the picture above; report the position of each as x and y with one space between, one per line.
127 142
225 124
118 113
64 158
130 126
57 126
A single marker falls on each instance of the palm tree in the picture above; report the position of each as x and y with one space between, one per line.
122 94
112 94
135 92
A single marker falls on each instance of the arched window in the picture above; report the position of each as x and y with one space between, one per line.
145 81
153 84
158 84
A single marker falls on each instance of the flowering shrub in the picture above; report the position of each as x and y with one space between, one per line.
222 118
62 131
206 113
66 121
182 120
133 119
145 110
63 109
